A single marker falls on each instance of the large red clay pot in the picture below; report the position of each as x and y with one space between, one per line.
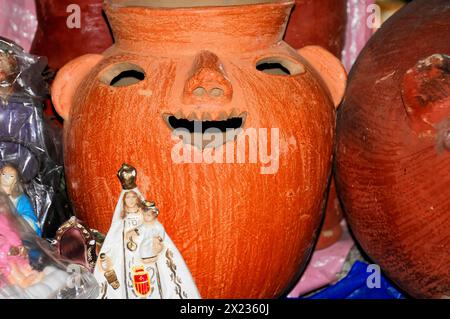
242 233
318 22
393 152
55 40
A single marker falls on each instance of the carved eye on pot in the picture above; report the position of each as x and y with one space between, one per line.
279 66
122 74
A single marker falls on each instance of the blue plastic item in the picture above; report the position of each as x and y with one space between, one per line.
362 282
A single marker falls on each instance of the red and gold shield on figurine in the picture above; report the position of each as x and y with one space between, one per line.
141 281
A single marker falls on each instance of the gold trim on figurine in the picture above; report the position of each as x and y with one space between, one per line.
173 276
131 245
89 239
110 274
19 251
129 236
112 280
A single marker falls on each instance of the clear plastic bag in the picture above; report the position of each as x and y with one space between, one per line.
30 269
28 144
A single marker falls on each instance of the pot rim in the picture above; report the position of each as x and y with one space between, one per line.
238 28
121 4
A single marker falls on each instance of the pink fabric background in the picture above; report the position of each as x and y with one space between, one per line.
357 31
18 21
324 266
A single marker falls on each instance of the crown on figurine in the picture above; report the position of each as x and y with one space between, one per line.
150 207
127 176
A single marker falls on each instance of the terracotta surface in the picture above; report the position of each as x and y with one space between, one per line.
393 159
55 40
330 230
322 23
318 22
242 233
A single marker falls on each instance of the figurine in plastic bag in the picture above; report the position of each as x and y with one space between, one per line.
28 267
11 185
138 260
20 74
32 147
8 73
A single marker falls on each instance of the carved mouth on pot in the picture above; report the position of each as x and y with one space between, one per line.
206 127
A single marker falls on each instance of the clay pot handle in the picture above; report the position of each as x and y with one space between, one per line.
329 68
68 79
426 92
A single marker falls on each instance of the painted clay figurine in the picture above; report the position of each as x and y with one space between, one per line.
14 263
25 140
18 279
11 185
138 260
8 73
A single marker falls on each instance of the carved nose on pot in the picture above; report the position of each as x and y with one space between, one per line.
207 82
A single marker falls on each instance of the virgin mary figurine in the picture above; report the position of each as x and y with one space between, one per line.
138 260
11 185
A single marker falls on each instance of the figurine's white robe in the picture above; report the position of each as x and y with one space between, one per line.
169 276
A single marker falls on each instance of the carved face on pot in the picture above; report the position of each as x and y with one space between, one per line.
173 70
